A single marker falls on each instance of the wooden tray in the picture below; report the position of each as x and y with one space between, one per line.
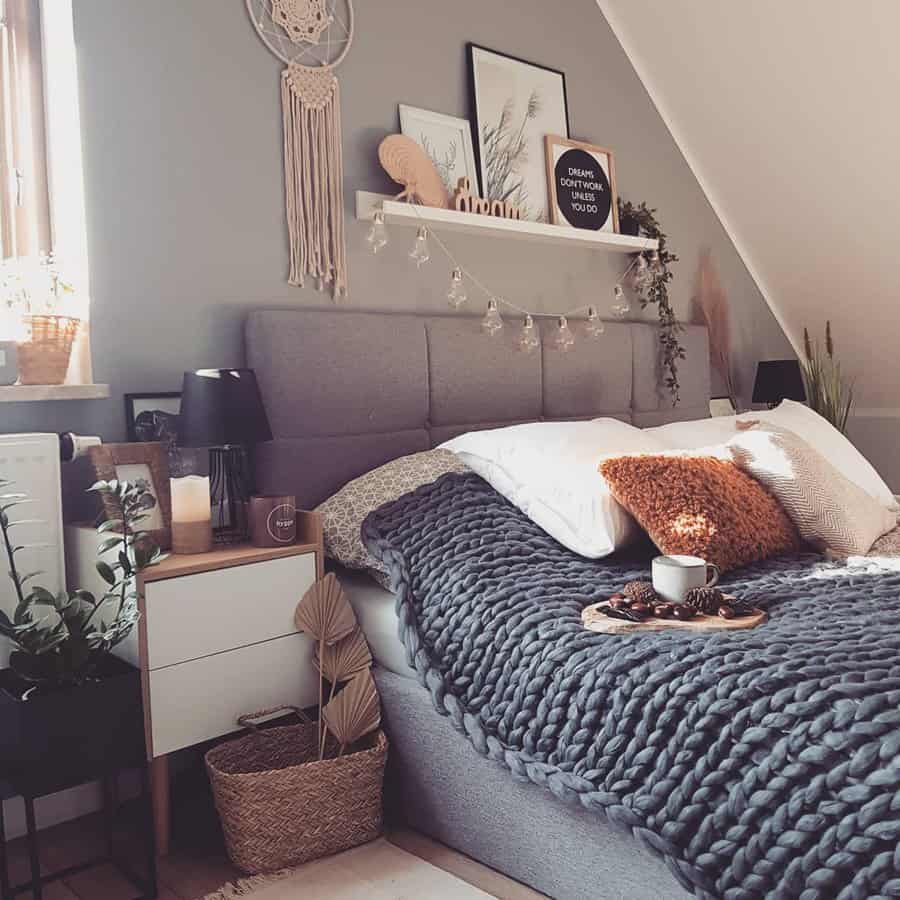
596 621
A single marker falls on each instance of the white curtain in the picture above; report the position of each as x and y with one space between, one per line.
24 201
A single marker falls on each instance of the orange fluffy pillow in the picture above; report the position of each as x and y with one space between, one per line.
701 506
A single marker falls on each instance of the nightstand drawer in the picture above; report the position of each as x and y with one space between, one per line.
193 616
200 700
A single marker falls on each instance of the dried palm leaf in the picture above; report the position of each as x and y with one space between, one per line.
711 307
324 612
355 711
348 657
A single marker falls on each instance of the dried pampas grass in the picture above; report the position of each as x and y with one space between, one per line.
710 304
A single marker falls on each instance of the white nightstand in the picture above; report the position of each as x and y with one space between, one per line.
216 639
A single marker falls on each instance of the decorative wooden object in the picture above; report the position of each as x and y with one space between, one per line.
408 164
464 201
595 621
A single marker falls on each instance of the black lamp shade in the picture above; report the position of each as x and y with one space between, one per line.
777 380
222 407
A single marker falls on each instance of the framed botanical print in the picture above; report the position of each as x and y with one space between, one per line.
446 139
582 182
516 103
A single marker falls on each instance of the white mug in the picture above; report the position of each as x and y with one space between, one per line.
674 576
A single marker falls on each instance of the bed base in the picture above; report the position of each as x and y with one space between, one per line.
438 785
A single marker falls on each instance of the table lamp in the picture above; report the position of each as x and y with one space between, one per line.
777 380
222 409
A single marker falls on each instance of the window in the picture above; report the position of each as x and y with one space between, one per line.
23 147
41 175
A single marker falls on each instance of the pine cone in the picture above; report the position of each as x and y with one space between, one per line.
706 600
640 592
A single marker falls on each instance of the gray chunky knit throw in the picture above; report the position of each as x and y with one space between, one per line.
763 763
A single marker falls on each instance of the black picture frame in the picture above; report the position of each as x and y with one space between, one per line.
474 119
131 401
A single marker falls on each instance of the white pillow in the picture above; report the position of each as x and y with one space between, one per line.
549 470
796 417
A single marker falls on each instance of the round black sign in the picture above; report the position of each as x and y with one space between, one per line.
582 190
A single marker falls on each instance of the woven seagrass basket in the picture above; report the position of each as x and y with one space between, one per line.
44 359
281 806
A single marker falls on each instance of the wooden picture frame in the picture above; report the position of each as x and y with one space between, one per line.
564 210
128 462
497 97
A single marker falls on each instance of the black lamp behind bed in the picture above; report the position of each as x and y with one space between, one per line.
222 409
777 380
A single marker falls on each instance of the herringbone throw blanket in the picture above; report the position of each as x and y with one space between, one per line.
763 763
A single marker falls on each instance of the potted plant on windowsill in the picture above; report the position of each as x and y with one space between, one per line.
64 699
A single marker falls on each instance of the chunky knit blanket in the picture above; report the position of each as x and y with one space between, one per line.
762 763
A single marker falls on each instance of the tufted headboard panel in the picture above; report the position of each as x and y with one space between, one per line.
348 391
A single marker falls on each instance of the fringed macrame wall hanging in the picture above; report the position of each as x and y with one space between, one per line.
312 38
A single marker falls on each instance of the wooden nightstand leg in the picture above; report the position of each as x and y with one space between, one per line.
159 781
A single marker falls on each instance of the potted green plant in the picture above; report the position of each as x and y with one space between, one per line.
64 699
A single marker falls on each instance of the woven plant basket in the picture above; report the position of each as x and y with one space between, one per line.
44 359
280 806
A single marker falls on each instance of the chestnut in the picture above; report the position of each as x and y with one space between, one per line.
663 610
726 612
619 602
641 609
683 611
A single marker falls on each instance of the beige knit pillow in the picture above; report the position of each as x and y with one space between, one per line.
343 513
829 510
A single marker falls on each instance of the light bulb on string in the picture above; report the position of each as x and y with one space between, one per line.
656 266
595 326
564 339
456 296
420 253
620 307
491 323
528 339
640 272
377 236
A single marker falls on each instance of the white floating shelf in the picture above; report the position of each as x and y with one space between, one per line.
27 393
396 213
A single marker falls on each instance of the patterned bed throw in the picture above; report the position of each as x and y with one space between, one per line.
762 763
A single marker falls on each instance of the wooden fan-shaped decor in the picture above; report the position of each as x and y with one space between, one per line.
343 660
409 165
324 612
355 711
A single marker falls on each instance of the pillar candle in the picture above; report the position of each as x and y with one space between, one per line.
191 514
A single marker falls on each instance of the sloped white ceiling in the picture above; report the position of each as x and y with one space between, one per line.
787 111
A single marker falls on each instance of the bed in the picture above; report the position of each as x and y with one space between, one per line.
347 392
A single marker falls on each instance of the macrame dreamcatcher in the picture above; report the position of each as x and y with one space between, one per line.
312 38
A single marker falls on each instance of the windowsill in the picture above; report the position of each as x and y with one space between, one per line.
29 393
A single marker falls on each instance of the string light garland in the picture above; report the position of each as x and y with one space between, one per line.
638 274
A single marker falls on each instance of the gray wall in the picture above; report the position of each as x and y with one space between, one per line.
182 139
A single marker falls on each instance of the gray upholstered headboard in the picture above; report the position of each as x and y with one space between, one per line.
348 391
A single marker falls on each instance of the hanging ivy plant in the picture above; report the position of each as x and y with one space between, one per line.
655 289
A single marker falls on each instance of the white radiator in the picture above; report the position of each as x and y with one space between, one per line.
31 462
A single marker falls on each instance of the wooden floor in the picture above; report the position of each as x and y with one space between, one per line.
200 867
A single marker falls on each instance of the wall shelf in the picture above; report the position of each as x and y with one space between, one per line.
29 393
400 213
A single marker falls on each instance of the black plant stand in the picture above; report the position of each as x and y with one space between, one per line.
35 785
